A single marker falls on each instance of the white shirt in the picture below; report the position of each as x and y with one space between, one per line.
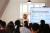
22 21
24 30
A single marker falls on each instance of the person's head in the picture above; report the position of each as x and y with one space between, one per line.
25 16
3 24
26 23
30 26
42 22
0 23
17 22
11 22
35 27
10 26
0 20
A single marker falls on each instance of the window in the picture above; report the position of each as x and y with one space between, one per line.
39 4
23 9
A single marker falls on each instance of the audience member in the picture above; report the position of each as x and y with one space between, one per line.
30 26
24 30
46 28
26 24
17 26
35 28
42 23
10 27
2 26
25 18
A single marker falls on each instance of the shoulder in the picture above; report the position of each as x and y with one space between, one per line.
25 30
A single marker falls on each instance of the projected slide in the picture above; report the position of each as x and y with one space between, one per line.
37 14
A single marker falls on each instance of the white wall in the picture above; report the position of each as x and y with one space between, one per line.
12 11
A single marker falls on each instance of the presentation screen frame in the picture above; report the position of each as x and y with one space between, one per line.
37 14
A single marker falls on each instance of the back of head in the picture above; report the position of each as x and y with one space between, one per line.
3 24
0 23
10 26
42 22
17 22
0 20
17 30
26 23
11 22
35 26
30 25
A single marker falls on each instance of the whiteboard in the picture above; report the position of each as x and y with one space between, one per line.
37 14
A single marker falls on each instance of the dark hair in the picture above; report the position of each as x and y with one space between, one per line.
17 30
35 26
10 26
11 22
3 24
17 22
42 21
26 24
30 26
44 29
0 21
